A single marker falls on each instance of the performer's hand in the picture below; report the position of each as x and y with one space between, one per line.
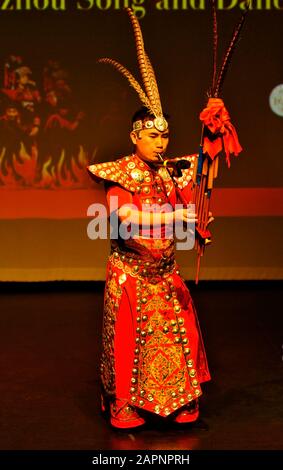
185 215
210 219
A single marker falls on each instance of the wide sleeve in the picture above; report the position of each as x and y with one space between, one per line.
187 192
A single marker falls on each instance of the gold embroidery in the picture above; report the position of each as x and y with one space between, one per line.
162 374
157 303
113 293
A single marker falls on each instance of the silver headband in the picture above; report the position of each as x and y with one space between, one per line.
159 123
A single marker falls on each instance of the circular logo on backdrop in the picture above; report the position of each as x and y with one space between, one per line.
276 100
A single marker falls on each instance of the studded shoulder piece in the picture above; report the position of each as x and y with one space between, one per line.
188 175
122 171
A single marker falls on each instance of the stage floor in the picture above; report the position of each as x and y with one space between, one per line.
50 342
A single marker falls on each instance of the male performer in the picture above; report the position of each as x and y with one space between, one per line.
153 358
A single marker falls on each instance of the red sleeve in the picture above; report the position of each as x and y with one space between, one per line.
124 196
187 192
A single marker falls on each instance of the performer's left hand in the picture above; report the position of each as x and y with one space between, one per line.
210 219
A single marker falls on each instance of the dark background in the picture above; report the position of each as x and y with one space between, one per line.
180 46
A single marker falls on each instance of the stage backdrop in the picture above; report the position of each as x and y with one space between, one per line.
60 110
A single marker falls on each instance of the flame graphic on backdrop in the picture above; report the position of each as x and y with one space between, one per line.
23 170
26 167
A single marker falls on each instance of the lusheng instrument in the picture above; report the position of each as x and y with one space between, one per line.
218 135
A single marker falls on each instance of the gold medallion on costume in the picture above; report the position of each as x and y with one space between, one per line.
160 124
137 175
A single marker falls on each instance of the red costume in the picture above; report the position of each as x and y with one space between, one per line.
153 355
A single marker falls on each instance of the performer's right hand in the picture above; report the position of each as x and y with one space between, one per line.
185 215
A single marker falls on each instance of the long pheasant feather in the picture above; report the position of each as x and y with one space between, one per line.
145 67
215 44
229 52
154 87
127 74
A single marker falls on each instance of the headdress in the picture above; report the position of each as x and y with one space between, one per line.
149 96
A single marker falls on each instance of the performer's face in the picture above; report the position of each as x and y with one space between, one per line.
149 143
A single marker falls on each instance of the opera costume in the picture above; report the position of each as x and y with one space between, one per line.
153 357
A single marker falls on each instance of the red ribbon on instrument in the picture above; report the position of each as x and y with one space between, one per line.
216 118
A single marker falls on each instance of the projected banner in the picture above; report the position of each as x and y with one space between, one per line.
139 7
